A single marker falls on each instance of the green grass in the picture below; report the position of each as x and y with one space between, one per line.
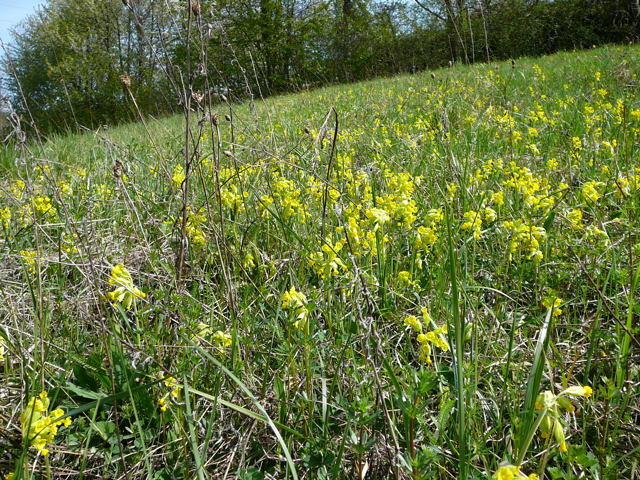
458 202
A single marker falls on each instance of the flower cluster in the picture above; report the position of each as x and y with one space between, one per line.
126 292
5 217
39 427
435 337
511 472
30 258
222 341
173 393
178 176
326 262
553 302
525 238
296 302
549 405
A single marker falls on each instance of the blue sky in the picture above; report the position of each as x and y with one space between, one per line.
12 12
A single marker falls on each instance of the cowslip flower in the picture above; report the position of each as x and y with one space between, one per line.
174 393
590 191
2 350
39 427
30 258
178 176
473 221
296 302
326 263
575 218
201 332
553 302
414 323
222 340
434 337
378 216
550 404
5 217
404 278
512 472
596 237
126 292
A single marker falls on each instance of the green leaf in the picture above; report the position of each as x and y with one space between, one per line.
83 392
251 473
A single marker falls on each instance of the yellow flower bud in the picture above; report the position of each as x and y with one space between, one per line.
565 403
507 472
578 391
546 426
414 323
558 433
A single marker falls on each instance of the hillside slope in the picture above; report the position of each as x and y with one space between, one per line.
448 283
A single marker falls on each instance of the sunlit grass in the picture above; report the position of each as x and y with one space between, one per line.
425 295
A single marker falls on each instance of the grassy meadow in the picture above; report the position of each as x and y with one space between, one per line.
421 277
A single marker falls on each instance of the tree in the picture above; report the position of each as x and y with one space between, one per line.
65 65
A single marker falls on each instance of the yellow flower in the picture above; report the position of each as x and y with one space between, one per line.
473 222
38 426
425 238
296 301
126 292
30 257
425 352
18 188
5 217
452 191
326 263
221 340
555 303
590 191
249 261
68 243
507 472
489 214
549 404
558 433
498 198
578 391
434 337
175 392
178 176
103 191
202 331
434 215
511 472
43 205
595 236
575 217
566 404
404 278
546 426
378 215
414 323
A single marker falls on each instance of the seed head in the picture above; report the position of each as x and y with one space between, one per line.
125 80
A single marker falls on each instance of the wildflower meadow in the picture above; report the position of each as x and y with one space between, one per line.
428 276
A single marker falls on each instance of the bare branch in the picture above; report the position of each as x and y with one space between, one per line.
428 10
